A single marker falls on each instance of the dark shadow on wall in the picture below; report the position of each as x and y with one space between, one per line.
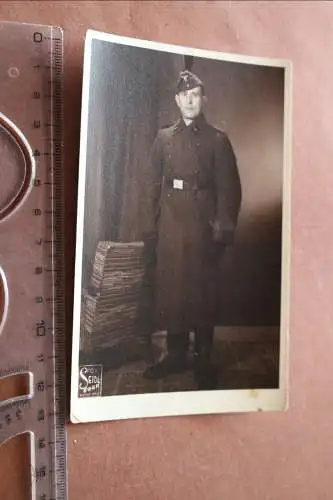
124 111
131 96
250 274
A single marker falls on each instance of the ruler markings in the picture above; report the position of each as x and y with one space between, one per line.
44 413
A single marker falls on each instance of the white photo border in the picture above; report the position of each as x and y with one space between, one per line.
118 407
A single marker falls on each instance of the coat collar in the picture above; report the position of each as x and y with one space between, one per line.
196 125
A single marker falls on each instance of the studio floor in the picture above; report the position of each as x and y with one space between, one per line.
243 358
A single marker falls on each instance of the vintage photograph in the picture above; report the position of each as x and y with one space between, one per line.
181 301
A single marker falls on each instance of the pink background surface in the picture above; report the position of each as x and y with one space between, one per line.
246 457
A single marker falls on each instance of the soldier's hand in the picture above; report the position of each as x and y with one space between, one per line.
221 235
150 244
216 229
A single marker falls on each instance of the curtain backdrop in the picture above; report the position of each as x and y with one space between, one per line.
131 96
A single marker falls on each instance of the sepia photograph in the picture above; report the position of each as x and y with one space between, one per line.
181 299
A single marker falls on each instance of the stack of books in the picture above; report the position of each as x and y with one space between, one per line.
111 306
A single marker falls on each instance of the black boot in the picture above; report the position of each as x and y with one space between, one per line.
175 361
204 371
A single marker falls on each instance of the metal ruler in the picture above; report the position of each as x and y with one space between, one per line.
32 321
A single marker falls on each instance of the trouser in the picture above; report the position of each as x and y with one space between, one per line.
178 342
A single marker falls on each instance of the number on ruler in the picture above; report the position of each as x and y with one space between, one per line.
40 472
41 415
41 443
18 414
40 329
40 386
38 37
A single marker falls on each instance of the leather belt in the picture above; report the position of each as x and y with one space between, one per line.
183 185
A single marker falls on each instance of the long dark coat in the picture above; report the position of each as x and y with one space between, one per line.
200 159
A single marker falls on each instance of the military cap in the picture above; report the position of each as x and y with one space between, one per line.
188 81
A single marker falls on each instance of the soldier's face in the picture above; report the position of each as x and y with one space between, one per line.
190 102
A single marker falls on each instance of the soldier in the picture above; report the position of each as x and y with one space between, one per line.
193 201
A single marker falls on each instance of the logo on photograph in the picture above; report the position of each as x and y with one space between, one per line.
90 380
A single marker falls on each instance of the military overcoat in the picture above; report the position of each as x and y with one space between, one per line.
192 204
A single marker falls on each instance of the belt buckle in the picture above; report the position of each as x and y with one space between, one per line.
178 184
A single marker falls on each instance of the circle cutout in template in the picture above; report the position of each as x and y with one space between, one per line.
4 299
17 167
